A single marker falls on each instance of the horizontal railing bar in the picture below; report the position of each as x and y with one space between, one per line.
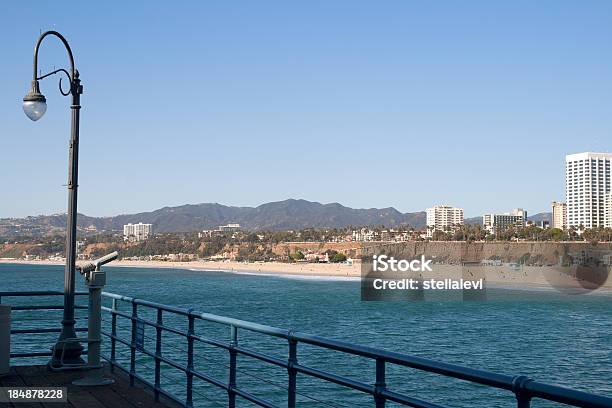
171 362
196 373
142 302
211 342
208 379
128 343
262 357
36 354
243 351
44 307
44 330
337 379
450 370
239 392
260 328
145 321
254 354
39 293
32 354
566 395
167 328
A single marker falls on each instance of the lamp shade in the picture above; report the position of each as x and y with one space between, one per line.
34 103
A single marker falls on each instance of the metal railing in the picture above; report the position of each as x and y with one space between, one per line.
523 388
16 333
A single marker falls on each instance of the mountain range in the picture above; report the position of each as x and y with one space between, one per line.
281 215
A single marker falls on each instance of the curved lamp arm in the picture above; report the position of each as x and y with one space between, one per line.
61 37
35 103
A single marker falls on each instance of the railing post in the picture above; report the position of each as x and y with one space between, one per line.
133 344
231 393
380 384
190 334
523 399
113 353
292 372
158 353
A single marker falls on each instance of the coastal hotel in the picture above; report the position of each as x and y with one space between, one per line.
588 192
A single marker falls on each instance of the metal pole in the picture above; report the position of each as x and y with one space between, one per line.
158 353
95 281
231 392
71 349
380 384
67 352
190 334
132 373
292 385
113 335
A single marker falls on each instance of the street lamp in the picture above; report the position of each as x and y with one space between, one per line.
67 351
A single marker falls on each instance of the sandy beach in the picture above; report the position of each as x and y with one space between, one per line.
273 268
527 277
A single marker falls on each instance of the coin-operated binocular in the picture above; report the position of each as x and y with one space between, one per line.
95 279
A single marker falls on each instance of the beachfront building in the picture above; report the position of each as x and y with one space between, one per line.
229 228
587 181
498 222
443 218
137 232
559 215
608 211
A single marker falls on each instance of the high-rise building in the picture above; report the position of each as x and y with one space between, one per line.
499 222
137 232
559 215
587 181
608 211
443 218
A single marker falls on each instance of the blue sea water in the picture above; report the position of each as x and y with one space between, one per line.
546 335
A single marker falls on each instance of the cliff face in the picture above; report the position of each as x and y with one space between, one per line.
529 253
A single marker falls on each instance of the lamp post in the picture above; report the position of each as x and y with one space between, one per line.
67 351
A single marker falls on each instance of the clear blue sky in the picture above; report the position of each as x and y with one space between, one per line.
370 104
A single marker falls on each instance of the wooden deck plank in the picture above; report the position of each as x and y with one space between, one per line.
15 380
137 393
117 395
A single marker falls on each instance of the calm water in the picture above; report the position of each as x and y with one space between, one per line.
549 336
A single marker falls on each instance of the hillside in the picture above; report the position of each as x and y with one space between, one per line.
281 215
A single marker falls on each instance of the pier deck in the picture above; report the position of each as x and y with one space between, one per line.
117 395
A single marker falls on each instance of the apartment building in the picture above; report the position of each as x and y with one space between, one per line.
499 222
559 215
137 232
587 182
443 218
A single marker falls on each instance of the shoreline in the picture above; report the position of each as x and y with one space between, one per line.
267 268
497 277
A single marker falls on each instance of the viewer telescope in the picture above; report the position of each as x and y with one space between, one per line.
95 265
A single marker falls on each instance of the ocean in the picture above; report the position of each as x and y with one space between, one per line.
549 336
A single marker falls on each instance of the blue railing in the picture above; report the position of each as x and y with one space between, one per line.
523 388
164 319
44 341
